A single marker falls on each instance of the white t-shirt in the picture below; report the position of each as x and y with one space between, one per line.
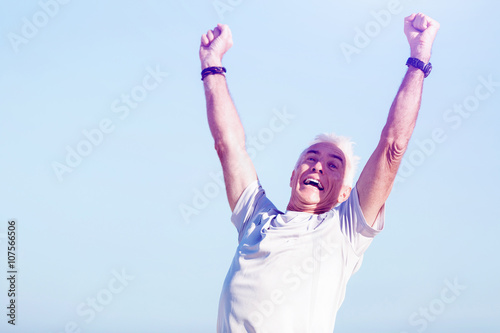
290 271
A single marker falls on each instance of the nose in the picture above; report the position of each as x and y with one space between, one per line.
317 168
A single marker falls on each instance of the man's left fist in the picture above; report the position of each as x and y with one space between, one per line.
420 30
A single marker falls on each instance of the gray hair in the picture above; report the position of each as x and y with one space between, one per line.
343 143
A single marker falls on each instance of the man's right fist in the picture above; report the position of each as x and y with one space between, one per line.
214 44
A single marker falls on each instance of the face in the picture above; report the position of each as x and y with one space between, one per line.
317 182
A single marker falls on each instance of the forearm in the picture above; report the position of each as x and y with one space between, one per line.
223 119
404 109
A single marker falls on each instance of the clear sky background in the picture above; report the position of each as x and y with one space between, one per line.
133 234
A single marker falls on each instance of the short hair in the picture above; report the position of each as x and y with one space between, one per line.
343 143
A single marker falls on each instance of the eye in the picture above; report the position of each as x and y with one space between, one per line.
311 159
332 166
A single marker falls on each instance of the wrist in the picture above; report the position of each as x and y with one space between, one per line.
418 64
210 62
422 56
415 71
212 71
425 60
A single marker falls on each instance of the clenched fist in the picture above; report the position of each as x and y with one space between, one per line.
214 44
420 30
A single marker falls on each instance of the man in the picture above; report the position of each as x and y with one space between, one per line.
290 269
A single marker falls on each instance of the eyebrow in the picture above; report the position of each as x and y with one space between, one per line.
312 151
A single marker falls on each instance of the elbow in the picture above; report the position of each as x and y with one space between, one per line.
396 152
396 140
220 147
223 147
395 149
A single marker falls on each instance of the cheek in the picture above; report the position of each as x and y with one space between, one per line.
295 183
336 181
341 173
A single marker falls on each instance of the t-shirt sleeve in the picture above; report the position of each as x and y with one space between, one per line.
354 225
251 201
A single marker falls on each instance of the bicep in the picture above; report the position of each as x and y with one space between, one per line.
238 169
376 179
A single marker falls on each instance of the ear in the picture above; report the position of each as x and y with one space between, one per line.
291 178
345 191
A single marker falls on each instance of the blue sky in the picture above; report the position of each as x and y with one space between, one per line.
133 234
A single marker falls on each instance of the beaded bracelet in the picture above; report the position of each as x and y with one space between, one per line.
212 70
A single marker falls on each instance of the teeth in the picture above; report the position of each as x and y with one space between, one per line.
315 182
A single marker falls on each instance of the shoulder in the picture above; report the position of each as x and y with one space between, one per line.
351 216
252 201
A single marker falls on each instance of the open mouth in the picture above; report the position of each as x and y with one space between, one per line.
314 182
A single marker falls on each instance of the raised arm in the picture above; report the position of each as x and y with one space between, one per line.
377 177
223 119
